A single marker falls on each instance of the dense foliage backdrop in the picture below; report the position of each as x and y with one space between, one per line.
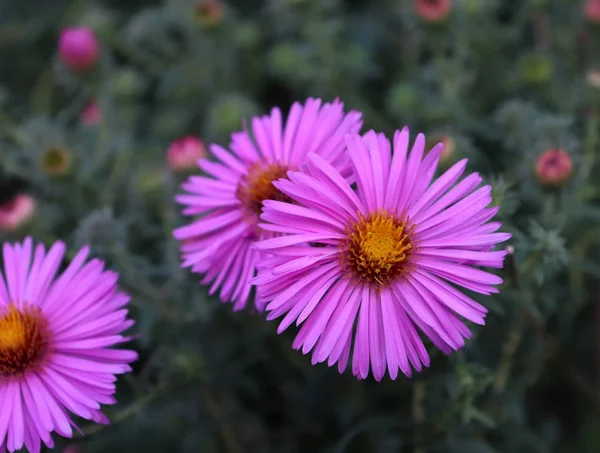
501 80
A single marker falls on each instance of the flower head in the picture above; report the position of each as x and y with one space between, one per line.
364 270
230 198
57 330
433 10
16 211
78 48
184 153
554 167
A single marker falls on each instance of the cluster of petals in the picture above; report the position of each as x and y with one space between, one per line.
218 242
61 327
302 276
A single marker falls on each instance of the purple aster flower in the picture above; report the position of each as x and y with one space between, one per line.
229 199
364 271
57 330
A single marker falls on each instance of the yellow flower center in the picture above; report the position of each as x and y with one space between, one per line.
23 339
377 249
257 186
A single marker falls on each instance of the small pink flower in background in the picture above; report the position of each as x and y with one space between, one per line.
184 153
433 10
227 202
367 271
208 12
78 48
591 10
58 332
91 114
554 167
16 212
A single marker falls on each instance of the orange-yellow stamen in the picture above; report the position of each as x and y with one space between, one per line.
377 249
257 186
23 339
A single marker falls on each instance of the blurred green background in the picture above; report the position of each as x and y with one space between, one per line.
501 81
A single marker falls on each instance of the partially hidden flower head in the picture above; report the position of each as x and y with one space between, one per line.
183 154
57 332
219 244
16 211
366 272
433 10
78 48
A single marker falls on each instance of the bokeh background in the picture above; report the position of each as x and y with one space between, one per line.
505 83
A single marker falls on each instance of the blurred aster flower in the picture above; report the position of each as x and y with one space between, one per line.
184 153
219 244
433 10
16 211
78 48
56 336
385 258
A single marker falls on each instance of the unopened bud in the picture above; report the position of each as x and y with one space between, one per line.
554 167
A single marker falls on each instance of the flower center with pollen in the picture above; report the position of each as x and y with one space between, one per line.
257 186
377 248
23 339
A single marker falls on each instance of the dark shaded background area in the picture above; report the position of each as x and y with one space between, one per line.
503 80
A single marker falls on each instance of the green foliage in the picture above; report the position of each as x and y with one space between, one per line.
505 79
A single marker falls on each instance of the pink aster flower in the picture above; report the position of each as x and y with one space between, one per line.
229 199
57 330
364 271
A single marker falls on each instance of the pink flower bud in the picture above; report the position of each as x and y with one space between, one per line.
16 212
90 115
78 48
591 9
183 154
554 167
433 10
209 12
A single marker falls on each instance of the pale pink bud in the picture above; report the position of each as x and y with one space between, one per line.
16 212
78 48
90 115
554 167
433 10
184 153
